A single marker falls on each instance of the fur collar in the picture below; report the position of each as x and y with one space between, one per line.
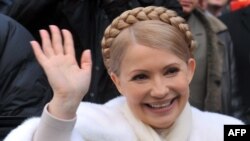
178 132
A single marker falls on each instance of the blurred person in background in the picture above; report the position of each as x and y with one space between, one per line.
23 85
214 79
238 23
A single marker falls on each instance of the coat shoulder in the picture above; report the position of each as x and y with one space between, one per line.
210 126
104 122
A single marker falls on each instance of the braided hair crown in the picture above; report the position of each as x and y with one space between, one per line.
135 15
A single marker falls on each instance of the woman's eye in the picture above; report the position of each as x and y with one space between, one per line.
171 71
139 77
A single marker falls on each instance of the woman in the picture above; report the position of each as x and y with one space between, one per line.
147 52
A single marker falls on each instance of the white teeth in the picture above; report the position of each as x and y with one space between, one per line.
160 105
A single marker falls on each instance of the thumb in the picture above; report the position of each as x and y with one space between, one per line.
86 61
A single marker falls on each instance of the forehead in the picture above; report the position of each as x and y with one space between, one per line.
140 50
138 56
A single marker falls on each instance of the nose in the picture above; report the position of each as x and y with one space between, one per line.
159 88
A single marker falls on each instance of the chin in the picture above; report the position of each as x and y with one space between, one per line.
163 125
166 121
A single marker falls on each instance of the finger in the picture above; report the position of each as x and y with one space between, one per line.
86 61
56 39
46 43
40 56
68 42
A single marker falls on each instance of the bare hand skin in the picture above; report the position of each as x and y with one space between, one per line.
69 81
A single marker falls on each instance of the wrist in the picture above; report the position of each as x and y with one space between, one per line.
62 108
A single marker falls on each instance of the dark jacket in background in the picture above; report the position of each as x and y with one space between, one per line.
23 88
4 5
238 24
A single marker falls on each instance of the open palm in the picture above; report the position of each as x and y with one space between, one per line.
57 57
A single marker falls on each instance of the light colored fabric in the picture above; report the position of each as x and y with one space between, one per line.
210 126
104 122
52 128
25 131
179 132
108 123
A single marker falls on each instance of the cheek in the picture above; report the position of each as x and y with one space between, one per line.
182 86
135 93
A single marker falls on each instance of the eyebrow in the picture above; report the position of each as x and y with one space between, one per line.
164 68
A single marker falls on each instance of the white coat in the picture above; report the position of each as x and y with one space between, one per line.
113 121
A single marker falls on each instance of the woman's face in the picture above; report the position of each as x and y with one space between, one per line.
155 83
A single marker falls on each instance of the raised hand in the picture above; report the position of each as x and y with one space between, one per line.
69 81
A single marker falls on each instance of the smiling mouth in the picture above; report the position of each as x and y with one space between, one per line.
161 105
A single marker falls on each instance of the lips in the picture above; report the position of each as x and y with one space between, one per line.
161 104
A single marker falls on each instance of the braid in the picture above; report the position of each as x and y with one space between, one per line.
130 17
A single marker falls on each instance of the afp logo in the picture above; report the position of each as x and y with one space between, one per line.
236 132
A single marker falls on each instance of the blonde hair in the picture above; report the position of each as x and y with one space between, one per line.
150 26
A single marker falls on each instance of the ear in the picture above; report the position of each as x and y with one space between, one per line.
116 81
191 69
